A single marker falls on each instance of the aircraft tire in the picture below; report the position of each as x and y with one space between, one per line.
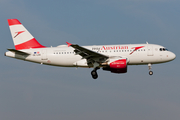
94 74
150 72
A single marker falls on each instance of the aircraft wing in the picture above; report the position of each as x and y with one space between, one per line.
88 54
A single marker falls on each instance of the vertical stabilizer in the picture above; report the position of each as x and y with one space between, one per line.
21 37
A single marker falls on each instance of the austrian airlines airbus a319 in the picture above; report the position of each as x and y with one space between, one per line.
113 58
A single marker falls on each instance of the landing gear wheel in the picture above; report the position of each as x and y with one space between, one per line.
150 72
94 74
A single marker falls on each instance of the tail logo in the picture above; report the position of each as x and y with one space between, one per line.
17 33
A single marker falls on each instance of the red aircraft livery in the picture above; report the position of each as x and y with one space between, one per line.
17 33
114 48
136 48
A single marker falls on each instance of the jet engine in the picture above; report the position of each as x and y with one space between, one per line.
117 66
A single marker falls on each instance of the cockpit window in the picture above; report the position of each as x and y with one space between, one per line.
163 49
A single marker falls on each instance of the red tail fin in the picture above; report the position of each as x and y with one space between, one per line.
21 37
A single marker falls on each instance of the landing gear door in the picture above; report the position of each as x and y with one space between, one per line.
150 50
44 54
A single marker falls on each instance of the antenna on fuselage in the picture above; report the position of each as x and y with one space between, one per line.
147 42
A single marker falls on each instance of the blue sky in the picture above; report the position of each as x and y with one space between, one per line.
33 91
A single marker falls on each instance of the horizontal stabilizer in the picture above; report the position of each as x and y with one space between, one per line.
18 52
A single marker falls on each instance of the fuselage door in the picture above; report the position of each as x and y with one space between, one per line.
44 54
150 50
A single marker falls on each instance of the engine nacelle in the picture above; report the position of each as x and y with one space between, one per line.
117 66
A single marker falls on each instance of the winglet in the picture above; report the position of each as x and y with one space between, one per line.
69 44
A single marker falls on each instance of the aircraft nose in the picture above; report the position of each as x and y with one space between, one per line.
172 56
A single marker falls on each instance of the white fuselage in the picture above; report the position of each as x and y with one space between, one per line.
65 56
113 58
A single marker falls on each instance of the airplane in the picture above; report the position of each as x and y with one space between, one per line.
113 58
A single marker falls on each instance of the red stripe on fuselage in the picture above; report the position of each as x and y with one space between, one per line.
33 43
13 22
136 48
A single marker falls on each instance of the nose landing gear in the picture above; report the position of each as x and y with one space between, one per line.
150 72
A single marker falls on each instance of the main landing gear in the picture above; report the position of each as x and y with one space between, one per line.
94 73
150 72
